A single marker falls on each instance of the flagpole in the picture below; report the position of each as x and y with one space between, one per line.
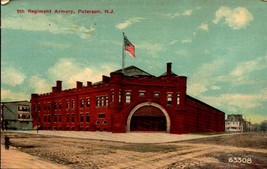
123 54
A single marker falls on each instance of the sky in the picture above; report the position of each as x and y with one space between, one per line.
221 46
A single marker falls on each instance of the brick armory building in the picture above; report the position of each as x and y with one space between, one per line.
130 101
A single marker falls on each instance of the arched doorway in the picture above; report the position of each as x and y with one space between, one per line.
148 117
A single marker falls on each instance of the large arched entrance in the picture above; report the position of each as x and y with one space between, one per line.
148 117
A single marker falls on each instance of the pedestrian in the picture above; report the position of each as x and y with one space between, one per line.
7 142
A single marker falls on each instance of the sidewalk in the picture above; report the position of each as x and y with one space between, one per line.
15 159
131 137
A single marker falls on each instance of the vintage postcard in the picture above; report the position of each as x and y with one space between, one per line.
133 84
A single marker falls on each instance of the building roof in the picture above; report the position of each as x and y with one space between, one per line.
133 71
165 74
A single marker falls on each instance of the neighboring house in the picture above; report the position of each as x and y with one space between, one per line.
236 123
16 115
128 100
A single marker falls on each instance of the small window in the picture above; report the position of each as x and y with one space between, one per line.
87 117
55 106
81 118
101 115
104 122
98 102
106 100
169 98
68 118
59 118
55 118
81 103
142 93
102 101
97 122
72 118
72 104
156 94
59 106
87 102
178 98
112 96
48 106
128 97
120 96
67 104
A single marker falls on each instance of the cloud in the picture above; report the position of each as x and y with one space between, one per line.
39 84
188 12
215 88
188 40
170 15
70 71
129 22
11 76
56 25
9 95
235 18
204 77
204 26
237 102
244 69
173 42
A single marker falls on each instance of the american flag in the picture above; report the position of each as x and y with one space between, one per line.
129 47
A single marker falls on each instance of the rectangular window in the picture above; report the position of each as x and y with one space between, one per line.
44 118
106 100
87 117
101 115
81 118
48 118
59 118
112 96
120 96
72 118
55 106
128 97
98 102
102 101
169 98
59 106
142 93
87 102
48 106
178 98
55 118
156 94
67 104
72 104
81 103
68 118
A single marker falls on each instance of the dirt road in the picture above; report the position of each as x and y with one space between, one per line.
220 152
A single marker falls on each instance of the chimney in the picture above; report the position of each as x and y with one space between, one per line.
89 84
169 69
79 85
59 86
54 89
105 79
